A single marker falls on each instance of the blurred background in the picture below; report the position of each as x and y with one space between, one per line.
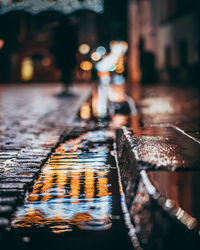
160 40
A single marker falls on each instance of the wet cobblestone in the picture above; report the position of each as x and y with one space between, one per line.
167 141
32 121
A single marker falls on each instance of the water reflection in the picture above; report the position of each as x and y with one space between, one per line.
74 188
181 190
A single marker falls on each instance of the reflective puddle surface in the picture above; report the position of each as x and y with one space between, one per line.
76 200
75 203
74 188
181 190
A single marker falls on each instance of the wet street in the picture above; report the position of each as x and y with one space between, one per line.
61 185
75 201
99 125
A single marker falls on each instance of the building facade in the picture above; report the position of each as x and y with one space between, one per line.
170 29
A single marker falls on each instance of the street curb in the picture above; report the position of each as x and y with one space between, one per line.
157 225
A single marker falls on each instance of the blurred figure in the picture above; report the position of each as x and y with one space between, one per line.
147 64
194 76
64 49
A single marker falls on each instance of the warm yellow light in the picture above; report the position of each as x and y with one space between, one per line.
123 44
103 74
86 65
116 93
84 48
85 111
27 69
120 65
96 56
120 120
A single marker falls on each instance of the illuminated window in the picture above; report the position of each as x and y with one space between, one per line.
27 69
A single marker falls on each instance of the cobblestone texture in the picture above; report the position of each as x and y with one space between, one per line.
32 120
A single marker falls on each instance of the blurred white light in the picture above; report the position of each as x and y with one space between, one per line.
113 68
101 50
96 56
118 48
105 80
118 79
84 48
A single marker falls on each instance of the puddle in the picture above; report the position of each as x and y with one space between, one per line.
181 191
74 189
76 200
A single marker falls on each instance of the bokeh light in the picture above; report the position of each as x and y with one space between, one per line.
1 43
84 49
101 50
46 61
86 65
27 69
96 56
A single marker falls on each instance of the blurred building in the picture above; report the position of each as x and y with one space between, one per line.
170 29
27 35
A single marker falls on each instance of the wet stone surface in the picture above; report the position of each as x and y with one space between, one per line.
175 105
75 201
182 194
31 122
170 104
164 147
159 223
164 203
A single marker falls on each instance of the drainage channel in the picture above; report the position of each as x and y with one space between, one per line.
75 203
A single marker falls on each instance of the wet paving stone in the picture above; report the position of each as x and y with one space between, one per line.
12 186
169 104
19 170
19 193
5 210
163 203
76 200
181 192
161 222
163 147
16 179
76 197
33 120
8 201
4 222
17 175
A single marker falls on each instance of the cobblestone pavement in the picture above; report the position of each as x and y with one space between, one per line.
32 119
165 143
